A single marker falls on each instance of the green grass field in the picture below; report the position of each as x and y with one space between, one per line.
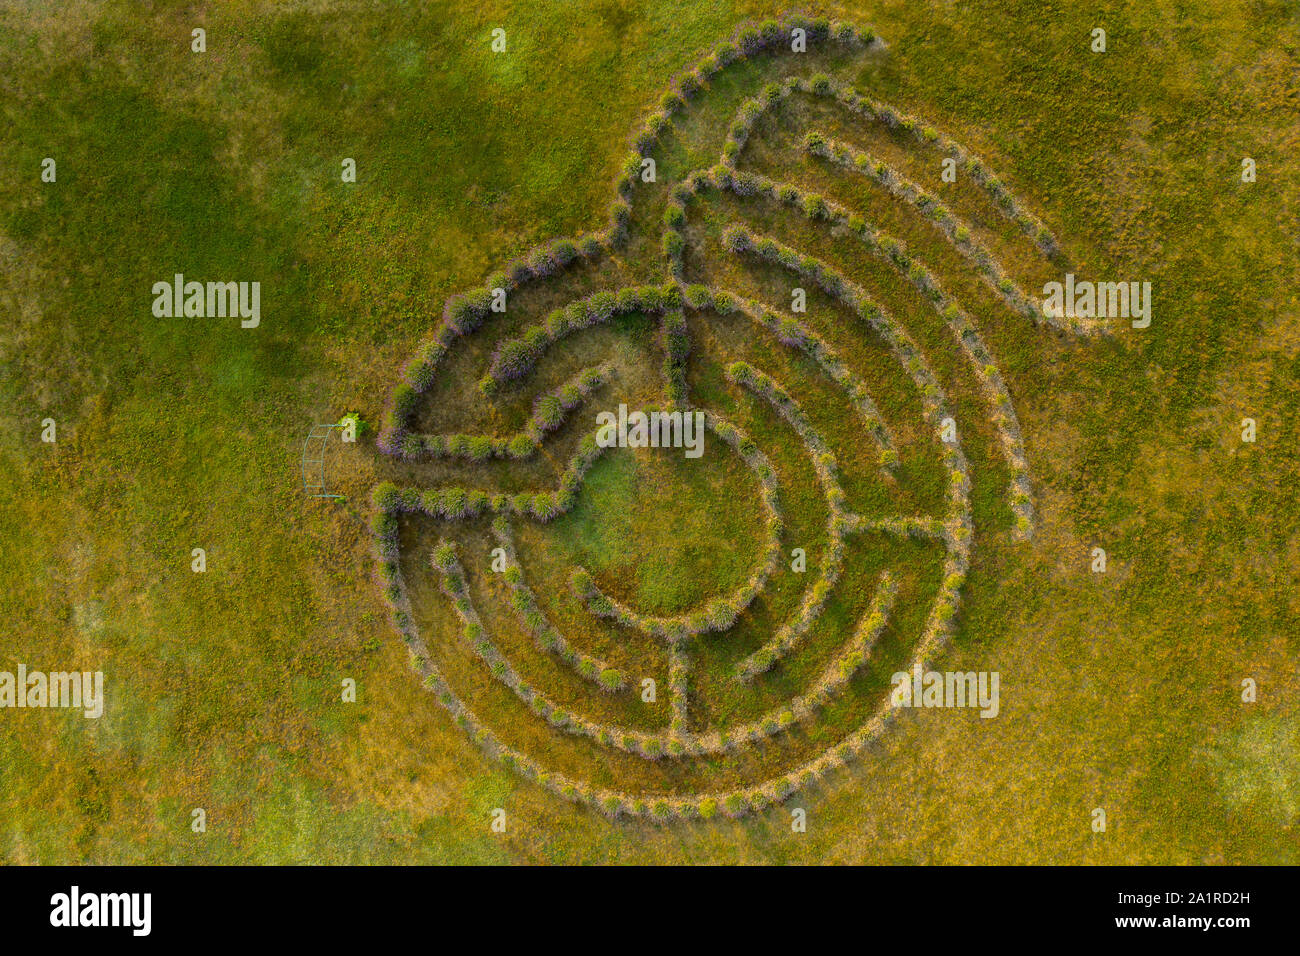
1120 690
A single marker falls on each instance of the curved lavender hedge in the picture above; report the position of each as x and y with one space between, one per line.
545 634
465 314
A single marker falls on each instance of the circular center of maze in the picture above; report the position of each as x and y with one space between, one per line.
669 530
662 635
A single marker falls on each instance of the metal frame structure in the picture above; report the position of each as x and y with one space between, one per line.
316 488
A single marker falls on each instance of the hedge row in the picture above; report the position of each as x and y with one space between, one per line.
854 657
893 252
857 301
388 571
837 526
832 680
610 802
456 503
983 177
454 585
674 223
750 40
678 742
942 218
822 85
747 116
549 412
791 332
547 637
677 347
463 314
514 358
615 803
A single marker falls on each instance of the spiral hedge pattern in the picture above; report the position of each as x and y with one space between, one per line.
783 258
